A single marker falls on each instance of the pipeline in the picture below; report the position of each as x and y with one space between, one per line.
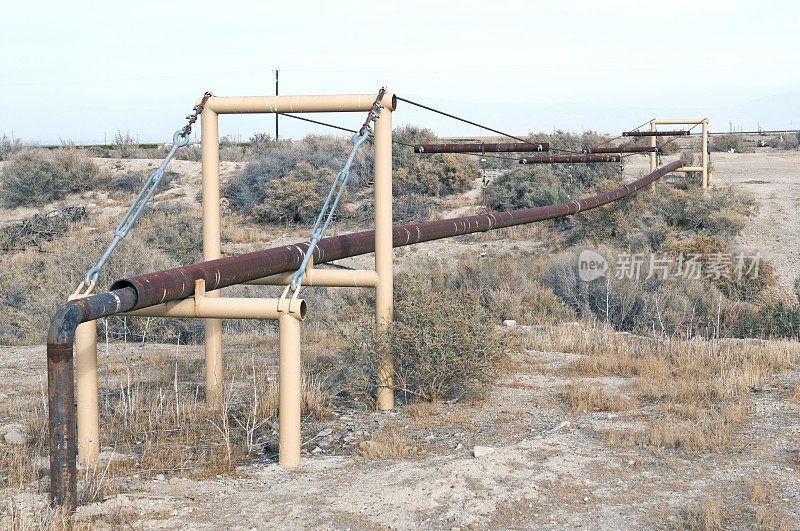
635 149
482 147
154 288
569 159
656 133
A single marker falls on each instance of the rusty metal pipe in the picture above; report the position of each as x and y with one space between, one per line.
179 283
568 159
482 147
655 133
643 149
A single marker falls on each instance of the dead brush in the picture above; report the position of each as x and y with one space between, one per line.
765 512
422 411
387 445
707 517
700 387
583 397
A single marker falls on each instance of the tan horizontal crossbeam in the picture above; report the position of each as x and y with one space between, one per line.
678 122
218 308
325 277
295 104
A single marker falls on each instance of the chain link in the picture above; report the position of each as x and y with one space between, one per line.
179 139
335 193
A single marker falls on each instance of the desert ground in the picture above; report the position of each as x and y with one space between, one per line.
551 446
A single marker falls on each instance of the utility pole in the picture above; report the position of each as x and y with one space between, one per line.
276 114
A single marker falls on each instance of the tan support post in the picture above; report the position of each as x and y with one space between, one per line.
289 389
383 252
211 249
704 156
86 383
653 154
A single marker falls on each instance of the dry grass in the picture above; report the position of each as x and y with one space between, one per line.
795 396
699 387
707 517
422 411
154 421
387 445
765 511
583 397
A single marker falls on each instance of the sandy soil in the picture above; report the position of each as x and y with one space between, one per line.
546 468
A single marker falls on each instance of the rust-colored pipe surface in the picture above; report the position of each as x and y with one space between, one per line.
644 149
178 283
655 133
482 147
568 159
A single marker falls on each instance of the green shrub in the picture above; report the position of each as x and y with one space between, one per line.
443 341
411 208
36 177
403 156
251 185
612 222
544 184
525 187
781 320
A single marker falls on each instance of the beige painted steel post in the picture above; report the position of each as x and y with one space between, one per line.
211 249
653 154
86 383
704 155
383 252
289 389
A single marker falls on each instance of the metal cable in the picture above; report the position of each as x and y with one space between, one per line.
398 142
179 139
481 126
335 194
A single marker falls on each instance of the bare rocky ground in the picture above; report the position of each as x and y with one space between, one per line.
537 464
516 459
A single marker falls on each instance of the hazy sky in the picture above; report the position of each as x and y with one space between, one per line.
77 70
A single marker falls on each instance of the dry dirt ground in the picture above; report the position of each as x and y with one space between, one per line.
545 467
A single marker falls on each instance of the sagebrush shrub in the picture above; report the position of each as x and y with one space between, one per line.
9 146
36 177
35 284
252 185
436 175
442 340
178 234
296 198
728 143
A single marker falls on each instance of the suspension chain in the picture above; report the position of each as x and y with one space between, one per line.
335 193
569 184
179 139
484 182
